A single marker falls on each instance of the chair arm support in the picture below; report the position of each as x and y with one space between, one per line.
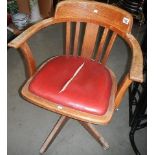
29 59
136 70
23 37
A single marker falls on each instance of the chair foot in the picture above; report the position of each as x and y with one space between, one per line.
55 131
95 134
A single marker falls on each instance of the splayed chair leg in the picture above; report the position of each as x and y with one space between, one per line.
95 134
55 131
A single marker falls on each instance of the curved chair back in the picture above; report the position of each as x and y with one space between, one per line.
100 24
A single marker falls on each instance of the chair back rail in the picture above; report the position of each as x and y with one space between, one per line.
94 11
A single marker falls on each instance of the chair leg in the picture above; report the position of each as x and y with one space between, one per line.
94 133
55 131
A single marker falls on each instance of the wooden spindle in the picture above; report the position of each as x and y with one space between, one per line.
109 47
68 36
102 42
76 39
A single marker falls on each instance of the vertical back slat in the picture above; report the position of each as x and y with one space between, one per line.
102 42
109 47
68 36
76 39
89 39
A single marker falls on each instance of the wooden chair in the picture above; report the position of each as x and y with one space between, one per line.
81 86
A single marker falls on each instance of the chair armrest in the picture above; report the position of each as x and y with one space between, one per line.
21 43
23 37
136 70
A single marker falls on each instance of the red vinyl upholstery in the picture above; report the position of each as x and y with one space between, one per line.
75 82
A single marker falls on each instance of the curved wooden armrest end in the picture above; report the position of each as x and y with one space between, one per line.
12 44
136 70
19 40
136 76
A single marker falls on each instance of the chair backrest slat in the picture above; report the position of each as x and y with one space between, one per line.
109 47
68 37
89 41
76 39
102 42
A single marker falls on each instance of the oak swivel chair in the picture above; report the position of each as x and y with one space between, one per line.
80 85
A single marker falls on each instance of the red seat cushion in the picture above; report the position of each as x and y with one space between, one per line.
75 82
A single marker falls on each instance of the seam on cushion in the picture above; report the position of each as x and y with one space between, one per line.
71 79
